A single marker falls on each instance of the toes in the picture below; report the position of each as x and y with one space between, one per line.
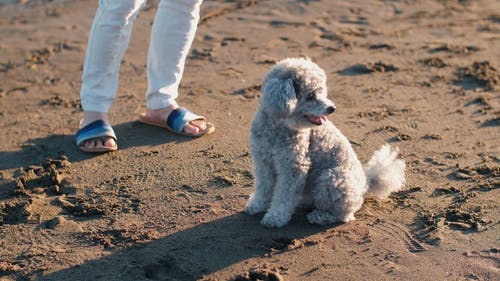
85 144
105 142
199 124
191 130
99 143
253 209
255 206
196 126
323 217
272 220
90 143
108 142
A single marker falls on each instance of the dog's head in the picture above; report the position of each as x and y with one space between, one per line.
295 91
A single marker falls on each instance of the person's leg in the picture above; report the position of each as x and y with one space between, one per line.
108 40
173 33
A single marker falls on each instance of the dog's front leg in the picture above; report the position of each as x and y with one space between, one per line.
265 179
291 179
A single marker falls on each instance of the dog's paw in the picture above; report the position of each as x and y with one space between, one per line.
323 217
254 207
273 220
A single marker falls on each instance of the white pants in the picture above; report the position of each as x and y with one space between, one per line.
172 34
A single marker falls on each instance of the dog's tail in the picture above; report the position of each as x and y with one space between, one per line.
385 172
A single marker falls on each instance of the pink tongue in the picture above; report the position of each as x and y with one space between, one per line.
318 120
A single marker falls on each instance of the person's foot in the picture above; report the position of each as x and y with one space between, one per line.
192 128
96 143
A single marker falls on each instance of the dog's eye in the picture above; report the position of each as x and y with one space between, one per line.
311 97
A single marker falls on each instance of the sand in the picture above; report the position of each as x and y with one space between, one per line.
422 75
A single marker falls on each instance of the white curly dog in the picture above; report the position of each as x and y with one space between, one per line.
300 157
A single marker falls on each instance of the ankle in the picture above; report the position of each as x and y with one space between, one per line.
161 113
91 116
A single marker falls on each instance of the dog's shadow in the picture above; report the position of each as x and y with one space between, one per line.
192 253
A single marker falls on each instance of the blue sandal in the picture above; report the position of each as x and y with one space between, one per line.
177 120
94 130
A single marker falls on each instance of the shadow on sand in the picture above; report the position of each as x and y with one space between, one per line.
192 253
129 134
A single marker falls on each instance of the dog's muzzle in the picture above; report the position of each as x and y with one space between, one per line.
330 109
321 119
317 120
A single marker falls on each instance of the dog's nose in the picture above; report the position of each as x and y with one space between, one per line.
330 109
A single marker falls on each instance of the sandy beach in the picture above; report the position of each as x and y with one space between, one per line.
422 75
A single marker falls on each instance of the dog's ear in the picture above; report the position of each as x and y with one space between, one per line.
278 96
